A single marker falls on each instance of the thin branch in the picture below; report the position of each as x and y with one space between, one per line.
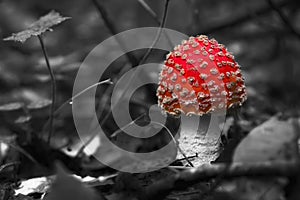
4 166
163 21
114 134
103 121
113 30
189 157
276 168
215 183
149 50
23 151
154 16
176 144
127 125
69 101
53 88
284 18
88 88
150 11
193 176
241 19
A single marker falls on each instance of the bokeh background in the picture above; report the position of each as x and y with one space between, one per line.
263 35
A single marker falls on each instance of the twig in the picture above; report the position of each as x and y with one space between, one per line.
69 101
276 168
192 176
90 87
113 30
53 86
131 78
176 144
243 18
215 183
284 18
126 126
23 151
150 11
156 19
2 167
268 189
163 21
189 157
146 55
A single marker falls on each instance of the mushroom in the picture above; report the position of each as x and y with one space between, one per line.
200 76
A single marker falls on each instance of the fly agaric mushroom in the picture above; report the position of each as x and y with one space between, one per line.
200 76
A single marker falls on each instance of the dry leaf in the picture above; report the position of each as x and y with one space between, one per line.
45 23
34 185
67 187
11 107
273 140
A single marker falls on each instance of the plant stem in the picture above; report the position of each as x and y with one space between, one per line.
149 11
155 17
162 24
53 88
284 18
133 76
244 17
113 30
69 101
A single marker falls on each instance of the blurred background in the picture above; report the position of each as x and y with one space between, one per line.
263 35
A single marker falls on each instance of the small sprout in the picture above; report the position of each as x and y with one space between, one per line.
45 23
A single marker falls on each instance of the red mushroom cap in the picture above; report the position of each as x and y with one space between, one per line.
198 77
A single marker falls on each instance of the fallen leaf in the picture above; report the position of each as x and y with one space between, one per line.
273 140
11 111
66 186
23 119
34 185
40 104
11 106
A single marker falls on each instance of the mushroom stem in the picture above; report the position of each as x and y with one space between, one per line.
209 128
203 124
212 136
236 118
207 135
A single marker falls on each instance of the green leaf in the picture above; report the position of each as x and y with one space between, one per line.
45 23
